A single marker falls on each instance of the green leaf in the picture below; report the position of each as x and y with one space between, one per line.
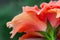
50 29
44 34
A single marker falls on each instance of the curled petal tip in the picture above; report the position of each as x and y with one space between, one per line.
9 25
11 32
11 37
23 7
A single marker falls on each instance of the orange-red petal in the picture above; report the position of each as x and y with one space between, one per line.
26 23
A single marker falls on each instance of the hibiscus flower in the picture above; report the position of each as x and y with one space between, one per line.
33 19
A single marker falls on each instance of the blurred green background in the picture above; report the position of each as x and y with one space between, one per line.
10 8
